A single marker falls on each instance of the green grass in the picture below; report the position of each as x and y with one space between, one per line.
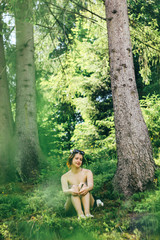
35 212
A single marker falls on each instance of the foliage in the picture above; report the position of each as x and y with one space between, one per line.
80 91
11 205
145 22
77 79
151 110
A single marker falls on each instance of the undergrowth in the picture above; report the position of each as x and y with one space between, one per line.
35 212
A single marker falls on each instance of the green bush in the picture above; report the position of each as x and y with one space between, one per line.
47 198
151 110
11 205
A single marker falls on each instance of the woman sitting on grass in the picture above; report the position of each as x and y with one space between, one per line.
77 184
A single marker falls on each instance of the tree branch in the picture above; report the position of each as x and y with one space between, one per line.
146 44
86 9
59 23
76 13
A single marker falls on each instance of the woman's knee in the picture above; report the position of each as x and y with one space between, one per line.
74 198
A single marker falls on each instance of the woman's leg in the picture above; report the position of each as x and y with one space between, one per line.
87 201
68 204
91 200
76 201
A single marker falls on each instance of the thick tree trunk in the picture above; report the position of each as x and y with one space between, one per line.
135 164
6 121
28 149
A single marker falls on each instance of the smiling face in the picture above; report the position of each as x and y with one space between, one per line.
77 160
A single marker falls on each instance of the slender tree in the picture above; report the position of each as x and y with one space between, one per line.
28 150
135 163
6 121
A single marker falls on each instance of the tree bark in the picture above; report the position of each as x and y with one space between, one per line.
135 168
28 149
6 121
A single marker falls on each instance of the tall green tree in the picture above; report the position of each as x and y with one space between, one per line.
6 121
79 79
135 162
28 150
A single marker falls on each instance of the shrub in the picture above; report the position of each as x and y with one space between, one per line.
151 110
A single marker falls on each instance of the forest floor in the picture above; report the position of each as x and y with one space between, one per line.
26 216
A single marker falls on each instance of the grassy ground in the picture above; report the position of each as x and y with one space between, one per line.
31 212
36 212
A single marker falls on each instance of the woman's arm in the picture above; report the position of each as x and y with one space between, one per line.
89 186
64 184
90 180
65 188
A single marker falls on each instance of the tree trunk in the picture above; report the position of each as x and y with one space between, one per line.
135 163
28 150
6 121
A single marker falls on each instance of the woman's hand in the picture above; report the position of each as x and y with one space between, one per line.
74 193
74 190
84 191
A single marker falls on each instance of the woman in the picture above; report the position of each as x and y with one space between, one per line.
77 184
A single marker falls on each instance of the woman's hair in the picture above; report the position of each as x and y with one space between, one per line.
73 153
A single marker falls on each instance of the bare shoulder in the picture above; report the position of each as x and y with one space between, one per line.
87 171
65 176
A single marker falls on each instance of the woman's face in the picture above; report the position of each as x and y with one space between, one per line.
77 160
